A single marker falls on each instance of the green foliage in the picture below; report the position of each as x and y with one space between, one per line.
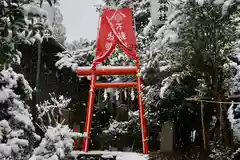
21 22
174 97
206 41
197 40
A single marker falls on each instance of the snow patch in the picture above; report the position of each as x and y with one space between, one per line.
226 5
147 29
235 123
118 155
218 2
200 2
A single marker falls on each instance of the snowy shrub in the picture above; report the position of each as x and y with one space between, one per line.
17 133
120 130
50 110
57 143
116 127
23 22
17 136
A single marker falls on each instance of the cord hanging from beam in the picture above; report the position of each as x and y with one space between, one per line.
209 101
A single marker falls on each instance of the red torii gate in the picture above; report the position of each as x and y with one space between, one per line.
116 28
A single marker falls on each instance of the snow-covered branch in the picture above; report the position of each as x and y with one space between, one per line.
49 111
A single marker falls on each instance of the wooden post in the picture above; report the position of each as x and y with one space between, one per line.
203 127
167 140
39 51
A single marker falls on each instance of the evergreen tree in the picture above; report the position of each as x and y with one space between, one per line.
197 41
59 30
22 22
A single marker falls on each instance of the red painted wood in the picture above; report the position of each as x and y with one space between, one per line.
88 121
116 85
114 70
143 123
132 70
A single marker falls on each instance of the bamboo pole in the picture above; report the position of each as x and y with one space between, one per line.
211 101
203 127
38 71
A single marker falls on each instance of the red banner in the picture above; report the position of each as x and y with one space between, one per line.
116 28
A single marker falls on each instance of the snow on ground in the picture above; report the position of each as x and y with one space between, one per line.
109 154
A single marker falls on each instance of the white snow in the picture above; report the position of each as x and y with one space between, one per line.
105 95
117 94
50 12
218 2
117 127
12 79
235 123
5 150
57 143
20 113
160 31
170 36
5 94
127 156
70 60
200 2
230 115
147 29
34 9
165 84
164 68
226 5
13 130
132 94
119 155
